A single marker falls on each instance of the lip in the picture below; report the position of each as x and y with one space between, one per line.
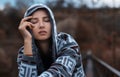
42 32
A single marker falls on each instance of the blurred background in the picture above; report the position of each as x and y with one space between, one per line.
95 25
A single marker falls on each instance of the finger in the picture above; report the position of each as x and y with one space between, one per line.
30 25
27 18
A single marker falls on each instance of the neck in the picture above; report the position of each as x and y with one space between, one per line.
44 46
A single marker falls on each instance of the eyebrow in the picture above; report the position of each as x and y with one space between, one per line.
33 18
46 17
37 18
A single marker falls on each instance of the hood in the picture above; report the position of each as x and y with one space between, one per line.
31 10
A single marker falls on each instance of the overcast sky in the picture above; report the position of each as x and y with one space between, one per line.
89 3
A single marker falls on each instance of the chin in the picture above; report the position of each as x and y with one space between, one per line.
43 38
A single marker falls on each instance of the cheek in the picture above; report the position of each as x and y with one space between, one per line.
49 26
35 25
50 29
34 31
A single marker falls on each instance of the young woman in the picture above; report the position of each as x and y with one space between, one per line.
46 53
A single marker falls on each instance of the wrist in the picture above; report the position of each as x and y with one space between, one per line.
27 40
28 54
28 47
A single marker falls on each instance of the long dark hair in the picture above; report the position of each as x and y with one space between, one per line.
36 50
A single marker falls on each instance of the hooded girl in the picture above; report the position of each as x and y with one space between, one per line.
46 53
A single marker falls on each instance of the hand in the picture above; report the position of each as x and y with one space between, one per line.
23 28
26 35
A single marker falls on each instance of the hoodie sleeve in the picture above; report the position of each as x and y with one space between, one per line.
68 62
26 65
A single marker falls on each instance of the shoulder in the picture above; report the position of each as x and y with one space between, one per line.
65 37
65 40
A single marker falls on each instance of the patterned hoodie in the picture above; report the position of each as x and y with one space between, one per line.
66 59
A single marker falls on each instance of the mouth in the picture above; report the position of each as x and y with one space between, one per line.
42 32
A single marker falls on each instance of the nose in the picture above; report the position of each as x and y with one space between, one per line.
41 24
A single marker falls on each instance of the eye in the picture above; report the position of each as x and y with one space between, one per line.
34 21
46 19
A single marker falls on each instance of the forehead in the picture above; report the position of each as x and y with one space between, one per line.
41 11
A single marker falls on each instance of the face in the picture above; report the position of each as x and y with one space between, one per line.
42 26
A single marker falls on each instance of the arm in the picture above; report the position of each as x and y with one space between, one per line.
68 63
26 65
